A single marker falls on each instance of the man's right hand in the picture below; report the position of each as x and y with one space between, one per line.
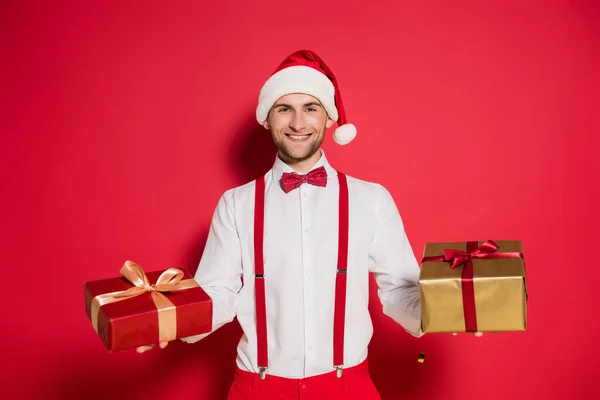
143 349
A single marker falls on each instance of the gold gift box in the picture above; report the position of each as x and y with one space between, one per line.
498 283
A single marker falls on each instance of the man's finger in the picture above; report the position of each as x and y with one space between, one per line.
142 349
162 345
478 334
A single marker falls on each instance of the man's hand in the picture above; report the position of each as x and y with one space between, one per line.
143 349
478 334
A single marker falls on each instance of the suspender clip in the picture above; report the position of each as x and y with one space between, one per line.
339 369
262 372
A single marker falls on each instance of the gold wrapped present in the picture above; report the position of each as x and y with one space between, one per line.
473 287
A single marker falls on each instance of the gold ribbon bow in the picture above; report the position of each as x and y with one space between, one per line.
169 281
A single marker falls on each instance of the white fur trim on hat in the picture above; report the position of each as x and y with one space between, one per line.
344 134
297 79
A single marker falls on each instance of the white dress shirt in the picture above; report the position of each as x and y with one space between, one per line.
300 257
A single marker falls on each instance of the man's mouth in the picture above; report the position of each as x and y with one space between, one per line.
298 138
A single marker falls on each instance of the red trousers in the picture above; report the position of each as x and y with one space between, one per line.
355 384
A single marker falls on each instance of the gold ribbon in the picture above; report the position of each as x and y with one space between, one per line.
169 281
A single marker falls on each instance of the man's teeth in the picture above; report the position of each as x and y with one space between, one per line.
299 137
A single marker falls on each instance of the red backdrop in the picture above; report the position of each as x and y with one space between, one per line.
123 124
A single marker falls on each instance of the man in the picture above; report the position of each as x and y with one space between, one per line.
290 253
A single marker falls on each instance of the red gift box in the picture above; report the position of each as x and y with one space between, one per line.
130 311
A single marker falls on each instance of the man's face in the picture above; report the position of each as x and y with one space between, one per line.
297 123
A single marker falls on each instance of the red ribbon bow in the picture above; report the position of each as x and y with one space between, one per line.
459 257
292 180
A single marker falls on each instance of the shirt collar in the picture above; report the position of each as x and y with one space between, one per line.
280 167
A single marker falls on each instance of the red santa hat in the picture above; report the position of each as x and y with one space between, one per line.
305 72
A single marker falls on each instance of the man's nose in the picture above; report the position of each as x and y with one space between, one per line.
298 122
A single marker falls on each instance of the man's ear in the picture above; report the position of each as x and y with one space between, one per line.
329 123
266 124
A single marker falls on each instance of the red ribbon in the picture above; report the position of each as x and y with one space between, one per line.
458 258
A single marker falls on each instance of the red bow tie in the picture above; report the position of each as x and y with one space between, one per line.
291 181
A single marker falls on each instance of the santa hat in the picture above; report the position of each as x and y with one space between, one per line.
305 72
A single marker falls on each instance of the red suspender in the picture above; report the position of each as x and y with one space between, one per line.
340 279
259 280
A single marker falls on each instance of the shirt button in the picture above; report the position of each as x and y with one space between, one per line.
310 346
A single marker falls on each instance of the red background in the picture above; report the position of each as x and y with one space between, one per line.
123 124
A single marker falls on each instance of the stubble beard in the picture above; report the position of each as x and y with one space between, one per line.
287 152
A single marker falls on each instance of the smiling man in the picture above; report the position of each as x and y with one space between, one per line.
297 123
290 253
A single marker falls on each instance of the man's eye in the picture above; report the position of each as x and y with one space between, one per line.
283 109
311 109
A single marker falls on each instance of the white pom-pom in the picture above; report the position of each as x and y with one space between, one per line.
344 134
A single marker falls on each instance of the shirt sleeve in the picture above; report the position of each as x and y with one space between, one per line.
395 268
220 269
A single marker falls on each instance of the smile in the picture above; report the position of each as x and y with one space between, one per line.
298 138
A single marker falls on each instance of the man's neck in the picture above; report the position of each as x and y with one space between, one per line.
304 165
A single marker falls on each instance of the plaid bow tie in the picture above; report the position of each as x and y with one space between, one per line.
291 181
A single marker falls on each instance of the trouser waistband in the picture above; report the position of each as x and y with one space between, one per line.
314 383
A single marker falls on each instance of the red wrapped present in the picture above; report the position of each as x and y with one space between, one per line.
128 311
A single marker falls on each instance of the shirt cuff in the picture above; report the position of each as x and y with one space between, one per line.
195 338
405 311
